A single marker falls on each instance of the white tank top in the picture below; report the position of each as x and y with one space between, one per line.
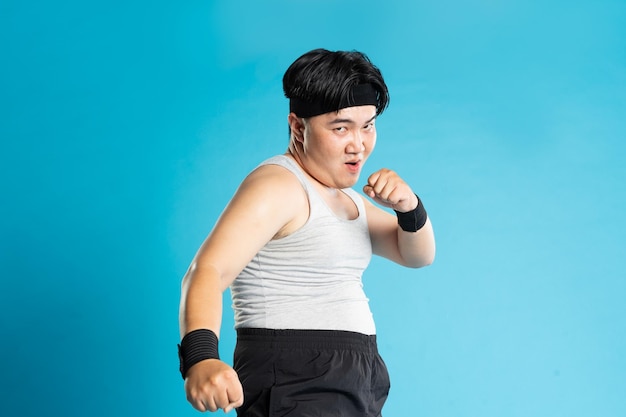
310 279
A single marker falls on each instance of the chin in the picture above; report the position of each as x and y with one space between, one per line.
349 183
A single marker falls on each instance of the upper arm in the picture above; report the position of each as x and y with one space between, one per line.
267 201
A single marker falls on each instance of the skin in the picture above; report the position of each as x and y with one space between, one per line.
331 149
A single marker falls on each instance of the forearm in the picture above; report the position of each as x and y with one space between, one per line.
201 300
210 384
417 248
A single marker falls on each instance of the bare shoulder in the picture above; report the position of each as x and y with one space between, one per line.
272 184
272 175
275 195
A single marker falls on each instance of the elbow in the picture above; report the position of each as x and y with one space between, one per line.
425 259
430 258
422 263
427 262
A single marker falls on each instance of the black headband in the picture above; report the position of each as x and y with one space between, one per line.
360 95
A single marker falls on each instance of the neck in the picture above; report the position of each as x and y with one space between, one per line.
320 185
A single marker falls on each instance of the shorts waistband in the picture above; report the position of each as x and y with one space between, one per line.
317 339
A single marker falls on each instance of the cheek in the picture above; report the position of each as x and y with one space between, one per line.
371 144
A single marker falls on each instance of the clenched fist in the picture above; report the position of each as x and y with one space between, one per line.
212 384
389 190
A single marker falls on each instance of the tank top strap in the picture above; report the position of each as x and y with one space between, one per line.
292 166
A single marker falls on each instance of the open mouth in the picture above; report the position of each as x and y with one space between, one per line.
354 166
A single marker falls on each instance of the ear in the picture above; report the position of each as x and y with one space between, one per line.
296 124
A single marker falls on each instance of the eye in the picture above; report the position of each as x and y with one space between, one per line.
340 129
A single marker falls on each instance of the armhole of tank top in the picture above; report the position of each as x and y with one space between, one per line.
357 199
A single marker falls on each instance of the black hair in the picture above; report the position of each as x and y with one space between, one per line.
328 77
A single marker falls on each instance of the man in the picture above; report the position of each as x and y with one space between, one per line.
292 245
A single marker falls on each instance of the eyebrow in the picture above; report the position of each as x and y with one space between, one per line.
349 121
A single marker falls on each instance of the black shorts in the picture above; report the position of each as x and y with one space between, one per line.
310 373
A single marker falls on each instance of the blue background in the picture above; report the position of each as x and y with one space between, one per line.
127 126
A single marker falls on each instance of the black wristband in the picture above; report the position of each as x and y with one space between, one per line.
413 220
197 346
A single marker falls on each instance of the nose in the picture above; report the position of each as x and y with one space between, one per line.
357 143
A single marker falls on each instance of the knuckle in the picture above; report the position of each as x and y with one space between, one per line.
230 375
